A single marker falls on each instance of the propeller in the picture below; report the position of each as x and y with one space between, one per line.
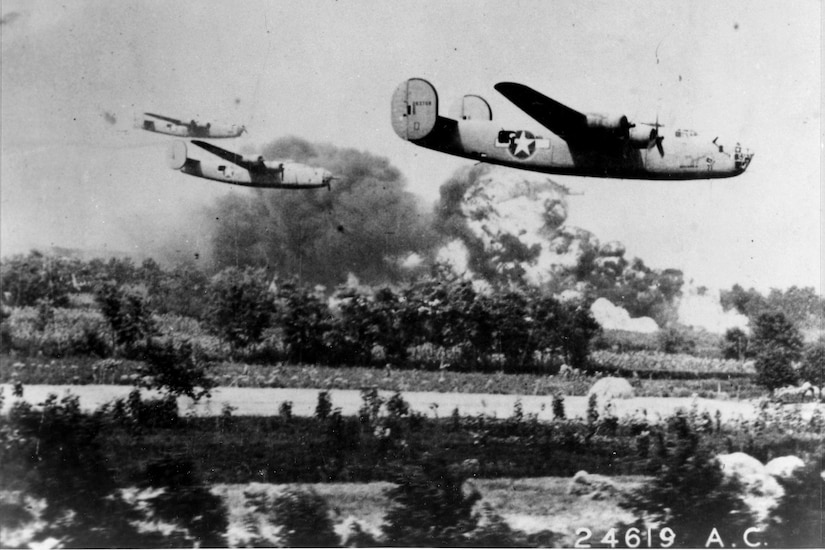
659 138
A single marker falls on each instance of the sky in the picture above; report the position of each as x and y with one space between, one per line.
75 174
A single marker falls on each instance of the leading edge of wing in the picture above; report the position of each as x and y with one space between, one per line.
167 119
560 119
228 156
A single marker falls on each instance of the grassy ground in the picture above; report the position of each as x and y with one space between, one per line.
529 504
86 370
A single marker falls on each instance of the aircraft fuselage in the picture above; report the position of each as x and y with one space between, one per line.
271 174
609 149
543 151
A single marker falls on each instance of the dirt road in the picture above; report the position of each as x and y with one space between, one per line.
266 401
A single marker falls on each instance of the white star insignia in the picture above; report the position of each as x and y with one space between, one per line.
522 144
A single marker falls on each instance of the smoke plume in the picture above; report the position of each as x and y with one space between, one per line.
503 226
506 226
367 224
494 225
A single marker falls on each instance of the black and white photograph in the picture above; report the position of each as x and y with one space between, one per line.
353 273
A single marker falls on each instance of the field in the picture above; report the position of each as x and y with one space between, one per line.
82 370
354 396
528 504
267 402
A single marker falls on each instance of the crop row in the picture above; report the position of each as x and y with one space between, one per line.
651 363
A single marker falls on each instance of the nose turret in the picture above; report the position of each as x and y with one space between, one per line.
741 158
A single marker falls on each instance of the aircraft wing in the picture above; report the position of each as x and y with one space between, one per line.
167 119
228 156
567 123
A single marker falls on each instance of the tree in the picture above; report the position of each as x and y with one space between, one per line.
675 340
747 302
183 291
775 330
430 508
199 516
241 305
54 453
813 363
304 319
776 344
27 279
798 519
576 333
689 491
735 344
175 368
128 316
303 517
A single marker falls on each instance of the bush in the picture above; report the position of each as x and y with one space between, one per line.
199 517
303 516
494 532
812 368
134 413
128 317
773 330
25 280
174 368
675 340
54 453
735 345
776 344
797 522
558 407
430 508
303 318
689 491
324 406
241 306
71 332
774 368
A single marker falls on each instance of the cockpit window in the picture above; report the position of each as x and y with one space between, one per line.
686 133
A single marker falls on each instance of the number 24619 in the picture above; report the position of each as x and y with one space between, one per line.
633 538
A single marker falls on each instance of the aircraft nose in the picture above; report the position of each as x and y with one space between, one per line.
742 158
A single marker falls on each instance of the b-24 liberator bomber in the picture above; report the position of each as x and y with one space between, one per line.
246 170
570 142
160 124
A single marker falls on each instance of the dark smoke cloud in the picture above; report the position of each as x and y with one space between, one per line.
451 222
365 225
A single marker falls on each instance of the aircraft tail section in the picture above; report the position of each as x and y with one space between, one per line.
414 109
471 107
176 155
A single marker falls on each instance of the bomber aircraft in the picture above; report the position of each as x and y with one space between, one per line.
250 171
570 142
175 127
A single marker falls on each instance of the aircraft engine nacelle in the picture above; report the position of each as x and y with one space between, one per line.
253 158
609 123
414 109
642 138
293 173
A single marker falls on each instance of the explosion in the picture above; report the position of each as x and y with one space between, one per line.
495 226
367 224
